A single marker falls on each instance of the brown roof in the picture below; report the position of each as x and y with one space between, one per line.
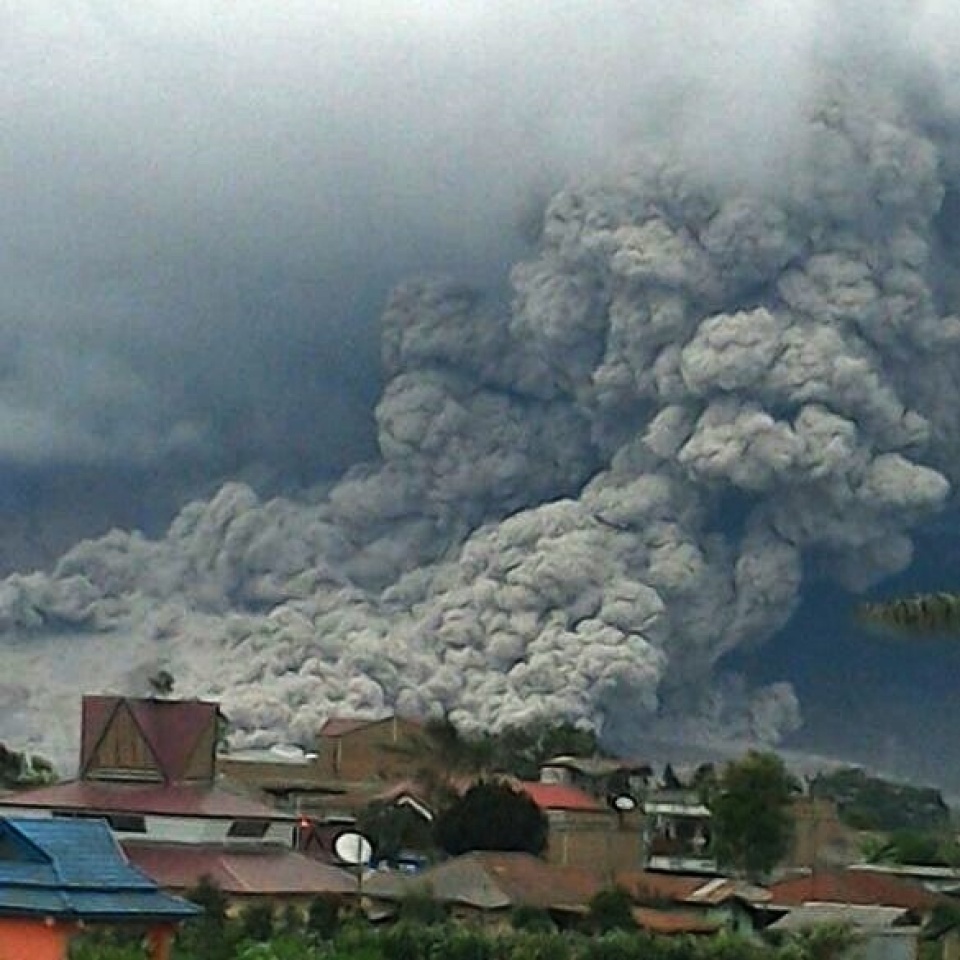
341 726
174 799
491 881
648 886
170 728
673 921
854 887
271 872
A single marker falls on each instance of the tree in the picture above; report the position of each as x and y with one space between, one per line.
393 829
492 815
927 613
611 910
161 683
752 822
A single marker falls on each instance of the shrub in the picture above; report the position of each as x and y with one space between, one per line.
611 910
256 921
533 919
323 916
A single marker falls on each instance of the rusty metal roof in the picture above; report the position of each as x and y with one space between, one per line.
854 887
490 880
263 871
668 922
176 799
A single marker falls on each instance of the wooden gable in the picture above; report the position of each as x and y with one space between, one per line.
122 751
202 762
146 739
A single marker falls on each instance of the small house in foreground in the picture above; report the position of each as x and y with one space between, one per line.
147 768
56 876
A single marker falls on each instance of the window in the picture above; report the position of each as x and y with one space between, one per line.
127 823
249 829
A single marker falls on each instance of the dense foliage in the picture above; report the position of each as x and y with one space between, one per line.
24 770
871 803
752 821
412 941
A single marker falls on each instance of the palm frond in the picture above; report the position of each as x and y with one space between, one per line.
929 613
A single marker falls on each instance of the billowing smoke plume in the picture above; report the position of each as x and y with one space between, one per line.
704 394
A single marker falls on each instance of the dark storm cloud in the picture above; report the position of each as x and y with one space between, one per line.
205 204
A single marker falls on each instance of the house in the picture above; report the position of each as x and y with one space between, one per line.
602 777
147 767
289 776
583 831
820 838
59 875
882 933
716 902
677 832
855 888
486 886
354 750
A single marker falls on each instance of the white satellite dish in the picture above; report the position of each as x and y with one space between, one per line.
353 848
624 802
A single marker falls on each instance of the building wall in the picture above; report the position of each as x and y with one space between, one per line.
820 839
381 750
193 830
600 841
33 939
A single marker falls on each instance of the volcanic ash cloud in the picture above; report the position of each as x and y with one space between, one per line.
584 500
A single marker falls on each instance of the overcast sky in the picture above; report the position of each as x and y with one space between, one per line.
206 203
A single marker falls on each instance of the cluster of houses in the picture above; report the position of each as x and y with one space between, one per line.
166 809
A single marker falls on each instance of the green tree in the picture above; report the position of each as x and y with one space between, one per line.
492 815
752 823
323 916
210 936
422 907
256 921
392 829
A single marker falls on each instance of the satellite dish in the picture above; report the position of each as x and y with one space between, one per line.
353 848
624 802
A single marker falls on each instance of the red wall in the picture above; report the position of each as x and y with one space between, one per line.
22 939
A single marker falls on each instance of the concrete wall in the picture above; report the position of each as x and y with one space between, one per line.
602 841
186 830
32 939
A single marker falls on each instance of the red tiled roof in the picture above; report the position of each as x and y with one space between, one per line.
266 872
672 921
171 728
559 796
854 887
178 799
647 886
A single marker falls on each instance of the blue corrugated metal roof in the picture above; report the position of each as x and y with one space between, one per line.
76 868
